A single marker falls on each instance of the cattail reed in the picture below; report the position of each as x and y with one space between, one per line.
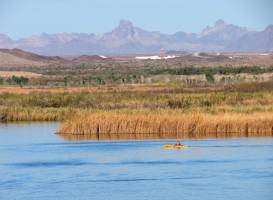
109 125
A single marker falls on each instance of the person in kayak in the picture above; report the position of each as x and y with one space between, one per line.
178 143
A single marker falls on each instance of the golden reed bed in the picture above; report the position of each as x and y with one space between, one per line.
107 126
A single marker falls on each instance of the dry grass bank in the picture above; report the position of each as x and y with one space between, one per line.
109 125
25 114
148 88
86 89
7 74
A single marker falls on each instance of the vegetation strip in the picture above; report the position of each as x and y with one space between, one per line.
189 125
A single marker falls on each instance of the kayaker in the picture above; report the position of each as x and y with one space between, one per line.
178 143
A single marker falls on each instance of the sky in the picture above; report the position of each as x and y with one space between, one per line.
23 18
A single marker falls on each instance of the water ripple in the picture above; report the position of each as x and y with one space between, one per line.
47 164
35 164
131 179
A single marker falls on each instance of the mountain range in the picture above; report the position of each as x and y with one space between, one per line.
129 39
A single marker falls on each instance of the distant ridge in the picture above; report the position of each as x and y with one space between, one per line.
18 58
30 56
129 39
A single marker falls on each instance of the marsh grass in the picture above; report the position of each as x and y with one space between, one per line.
47 106
16 114
109 125
137 100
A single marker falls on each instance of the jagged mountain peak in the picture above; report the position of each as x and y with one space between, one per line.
222 33
125 23
127 38
219 22
219 26
124 30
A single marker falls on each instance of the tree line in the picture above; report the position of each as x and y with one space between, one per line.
14 80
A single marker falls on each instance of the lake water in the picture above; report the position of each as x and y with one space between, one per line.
37 164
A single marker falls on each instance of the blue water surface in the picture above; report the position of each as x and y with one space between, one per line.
35 164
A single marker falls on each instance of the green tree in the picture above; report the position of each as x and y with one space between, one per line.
99 81
209 77
19 80
65 81
1 81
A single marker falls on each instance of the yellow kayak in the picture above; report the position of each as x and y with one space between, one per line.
173 146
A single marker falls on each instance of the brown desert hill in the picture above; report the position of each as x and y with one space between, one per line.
18 58
31 56
9 60
90 58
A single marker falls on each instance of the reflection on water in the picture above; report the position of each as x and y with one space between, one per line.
154 136
116 136
35 164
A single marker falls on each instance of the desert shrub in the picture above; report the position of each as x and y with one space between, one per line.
1 81
209 77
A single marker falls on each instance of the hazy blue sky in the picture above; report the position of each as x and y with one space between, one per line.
20 18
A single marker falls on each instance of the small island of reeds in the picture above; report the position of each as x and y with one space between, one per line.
167 125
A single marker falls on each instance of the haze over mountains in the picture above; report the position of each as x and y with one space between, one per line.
128 39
